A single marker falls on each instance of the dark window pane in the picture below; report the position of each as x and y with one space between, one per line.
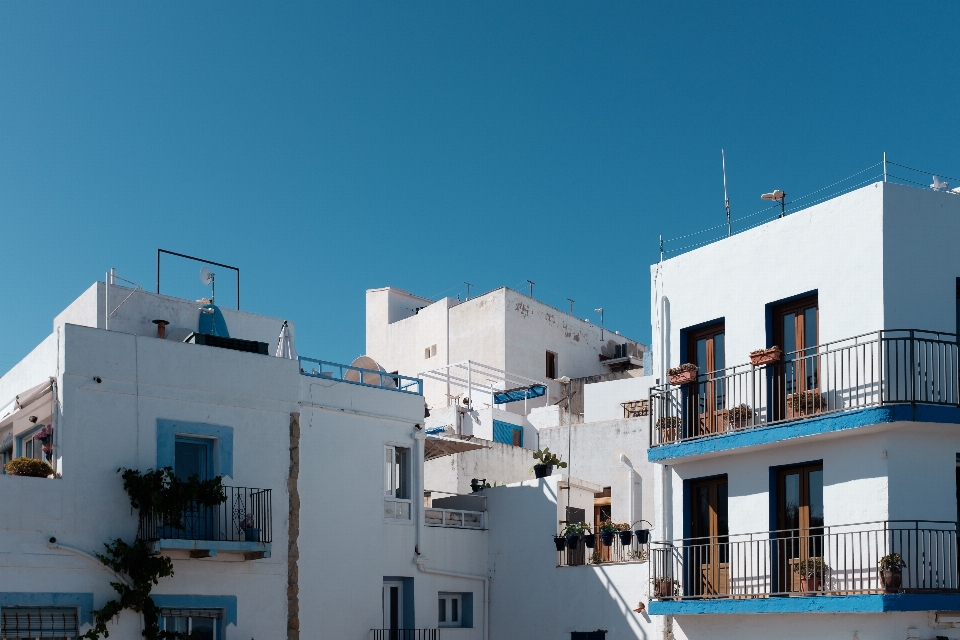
702 506
718 361
203 628
190 459
722 525
443 610
791 501
454 614
816 498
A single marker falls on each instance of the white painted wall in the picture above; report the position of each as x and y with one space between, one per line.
884 626
497 463
604 400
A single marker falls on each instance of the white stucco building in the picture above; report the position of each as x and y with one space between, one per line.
784 484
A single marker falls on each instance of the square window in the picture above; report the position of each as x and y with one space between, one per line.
204 624
396 482
450 612
551 369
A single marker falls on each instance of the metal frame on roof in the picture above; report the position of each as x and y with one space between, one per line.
471 375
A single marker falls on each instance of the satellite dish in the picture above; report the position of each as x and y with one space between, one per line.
206 276
369 377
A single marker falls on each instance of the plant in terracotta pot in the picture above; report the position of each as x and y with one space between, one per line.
740 417
665 588
684 374
547 462
891 572
607 530
29 467
766 356
806 402
668 428
811 572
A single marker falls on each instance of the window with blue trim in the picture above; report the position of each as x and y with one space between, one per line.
203 624
507 433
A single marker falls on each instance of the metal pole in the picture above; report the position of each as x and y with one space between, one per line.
566 390
726 200
106 303
468 289
661 248
571 305
470 384
884 166
531 287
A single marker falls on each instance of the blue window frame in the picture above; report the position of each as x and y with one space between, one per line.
507 433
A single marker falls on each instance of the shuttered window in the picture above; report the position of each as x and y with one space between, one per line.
204 624
39 622
507 433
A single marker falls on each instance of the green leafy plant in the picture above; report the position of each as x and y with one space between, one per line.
547 458
167 496
30 467
576 529
687 366
891 562
607 526
622 526
811 568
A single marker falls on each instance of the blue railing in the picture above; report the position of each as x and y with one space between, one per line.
357 375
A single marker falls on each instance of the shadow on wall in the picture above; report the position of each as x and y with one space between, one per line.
532 597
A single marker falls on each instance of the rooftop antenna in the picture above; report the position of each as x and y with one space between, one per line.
571 305
600 311
468 289
208 277
726 200
531 287
884 166
776 195
661 248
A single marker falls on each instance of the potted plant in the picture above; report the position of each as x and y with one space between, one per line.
643 535
624 533
665 588
811 572
668 428
573 532
740 416
607 531
560 542
477 485
29 467
805 402
251 533
766 356
891 572
547 462
684 374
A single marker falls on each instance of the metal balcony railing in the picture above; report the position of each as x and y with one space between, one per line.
245 516
885 367
403 634
454 518
825 560
358 375
598 553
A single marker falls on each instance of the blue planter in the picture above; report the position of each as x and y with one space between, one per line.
251 534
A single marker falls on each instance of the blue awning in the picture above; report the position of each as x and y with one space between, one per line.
521 393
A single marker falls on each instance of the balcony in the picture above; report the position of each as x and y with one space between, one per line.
754 572
359 375
241 525
906 367
455 511
590 550
404 634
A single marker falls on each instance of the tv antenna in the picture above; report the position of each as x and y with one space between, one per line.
777 195
726 200
208 277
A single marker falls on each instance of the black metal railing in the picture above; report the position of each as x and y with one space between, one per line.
842 559
404 634
884 367
590 549
245 516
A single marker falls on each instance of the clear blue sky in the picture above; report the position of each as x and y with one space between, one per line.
327 148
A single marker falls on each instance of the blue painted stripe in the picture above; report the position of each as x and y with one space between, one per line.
227 603
810 604
83 601
810 426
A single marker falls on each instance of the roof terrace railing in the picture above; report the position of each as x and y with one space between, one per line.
884 367
358 375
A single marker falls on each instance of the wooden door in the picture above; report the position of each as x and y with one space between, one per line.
708 560
705 348
601 511
800 524
797 332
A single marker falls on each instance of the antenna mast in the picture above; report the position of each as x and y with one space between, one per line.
726 200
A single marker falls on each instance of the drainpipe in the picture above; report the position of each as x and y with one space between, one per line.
629 467
421 561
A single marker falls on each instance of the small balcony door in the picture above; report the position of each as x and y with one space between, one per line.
705 348
709 549
799 521
393 608
193 457
797 332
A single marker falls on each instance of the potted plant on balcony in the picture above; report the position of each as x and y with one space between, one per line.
668 429
665 588
684 374
811 572
573 532
891 572
251 533
29 467
766 356
607 531
805 403
560 542
547 462
740 417
643 535
624 533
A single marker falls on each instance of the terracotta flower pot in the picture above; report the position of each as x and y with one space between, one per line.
663 588
813 583
683 377
891 579
768 356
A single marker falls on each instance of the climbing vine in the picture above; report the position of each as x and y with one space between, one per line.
157 494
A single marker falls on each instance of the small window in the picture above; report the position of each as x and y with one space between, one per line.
204 624
39 622
426 353
38 443
396 483
551 365
450 613
433 350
